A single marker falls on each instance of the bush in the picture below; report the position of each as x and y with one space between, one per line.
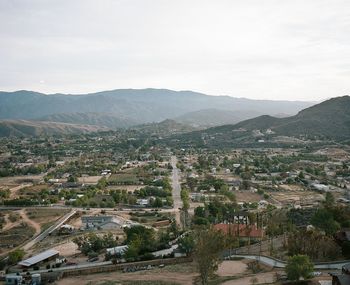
299 266
92 254
147 256
15 256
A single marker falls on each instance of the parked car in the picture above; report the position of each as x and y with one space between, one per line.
71 263
93 259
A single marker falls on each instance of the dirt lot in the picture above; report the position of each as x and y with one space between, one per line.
16 180
15 236
67 249
89 179
291 187
247 196
231 268
263 278
296 196
128 188
30 190
45 217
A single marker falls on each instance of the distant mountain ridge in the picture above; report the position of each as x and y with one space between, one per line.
134 105
329 119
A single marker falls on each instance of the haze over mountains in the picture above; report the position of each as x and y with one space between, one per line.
129 107
329 119
30 113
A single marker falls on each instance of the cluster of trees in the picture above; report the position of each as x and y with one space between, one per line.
23 202
185 197
211 181
158 202
92 244
6 171
324 220
142 241
123 197
156 191
314 244
214 212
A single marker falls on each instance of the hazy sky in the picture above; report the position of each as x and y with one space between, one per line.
275 49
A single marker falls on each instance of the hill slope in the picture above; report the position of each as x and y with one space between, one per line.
329 119
22 128
164 128
215 117
96 119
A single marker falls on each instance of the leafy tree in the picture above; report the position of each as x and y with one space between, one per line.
208 245
186 243
192 183
299 266
93 243
185 199
142 236
134 248
323 219
157 203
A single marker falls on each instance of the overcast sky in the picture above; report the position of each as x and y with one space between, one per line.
271 49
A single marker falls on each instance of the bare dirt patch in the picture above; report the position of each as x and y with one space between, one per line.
247 196
44 217
89 179
178 274
128 188
67 249
231 268
262 278
296 196
30 222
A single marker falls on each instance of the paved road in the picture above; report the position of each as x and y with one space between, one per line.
49 230
281 264
176 189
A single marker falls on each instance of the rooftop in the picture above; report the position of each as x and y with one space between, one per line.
38 258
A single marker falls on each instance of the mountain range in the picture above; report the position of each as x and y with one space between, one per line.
156 111
128 107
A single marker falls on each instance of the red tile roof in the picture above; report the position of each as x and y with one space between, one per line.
240 230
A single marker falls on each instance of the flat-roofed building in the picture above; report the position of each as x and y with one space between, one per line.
102 222
40 258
